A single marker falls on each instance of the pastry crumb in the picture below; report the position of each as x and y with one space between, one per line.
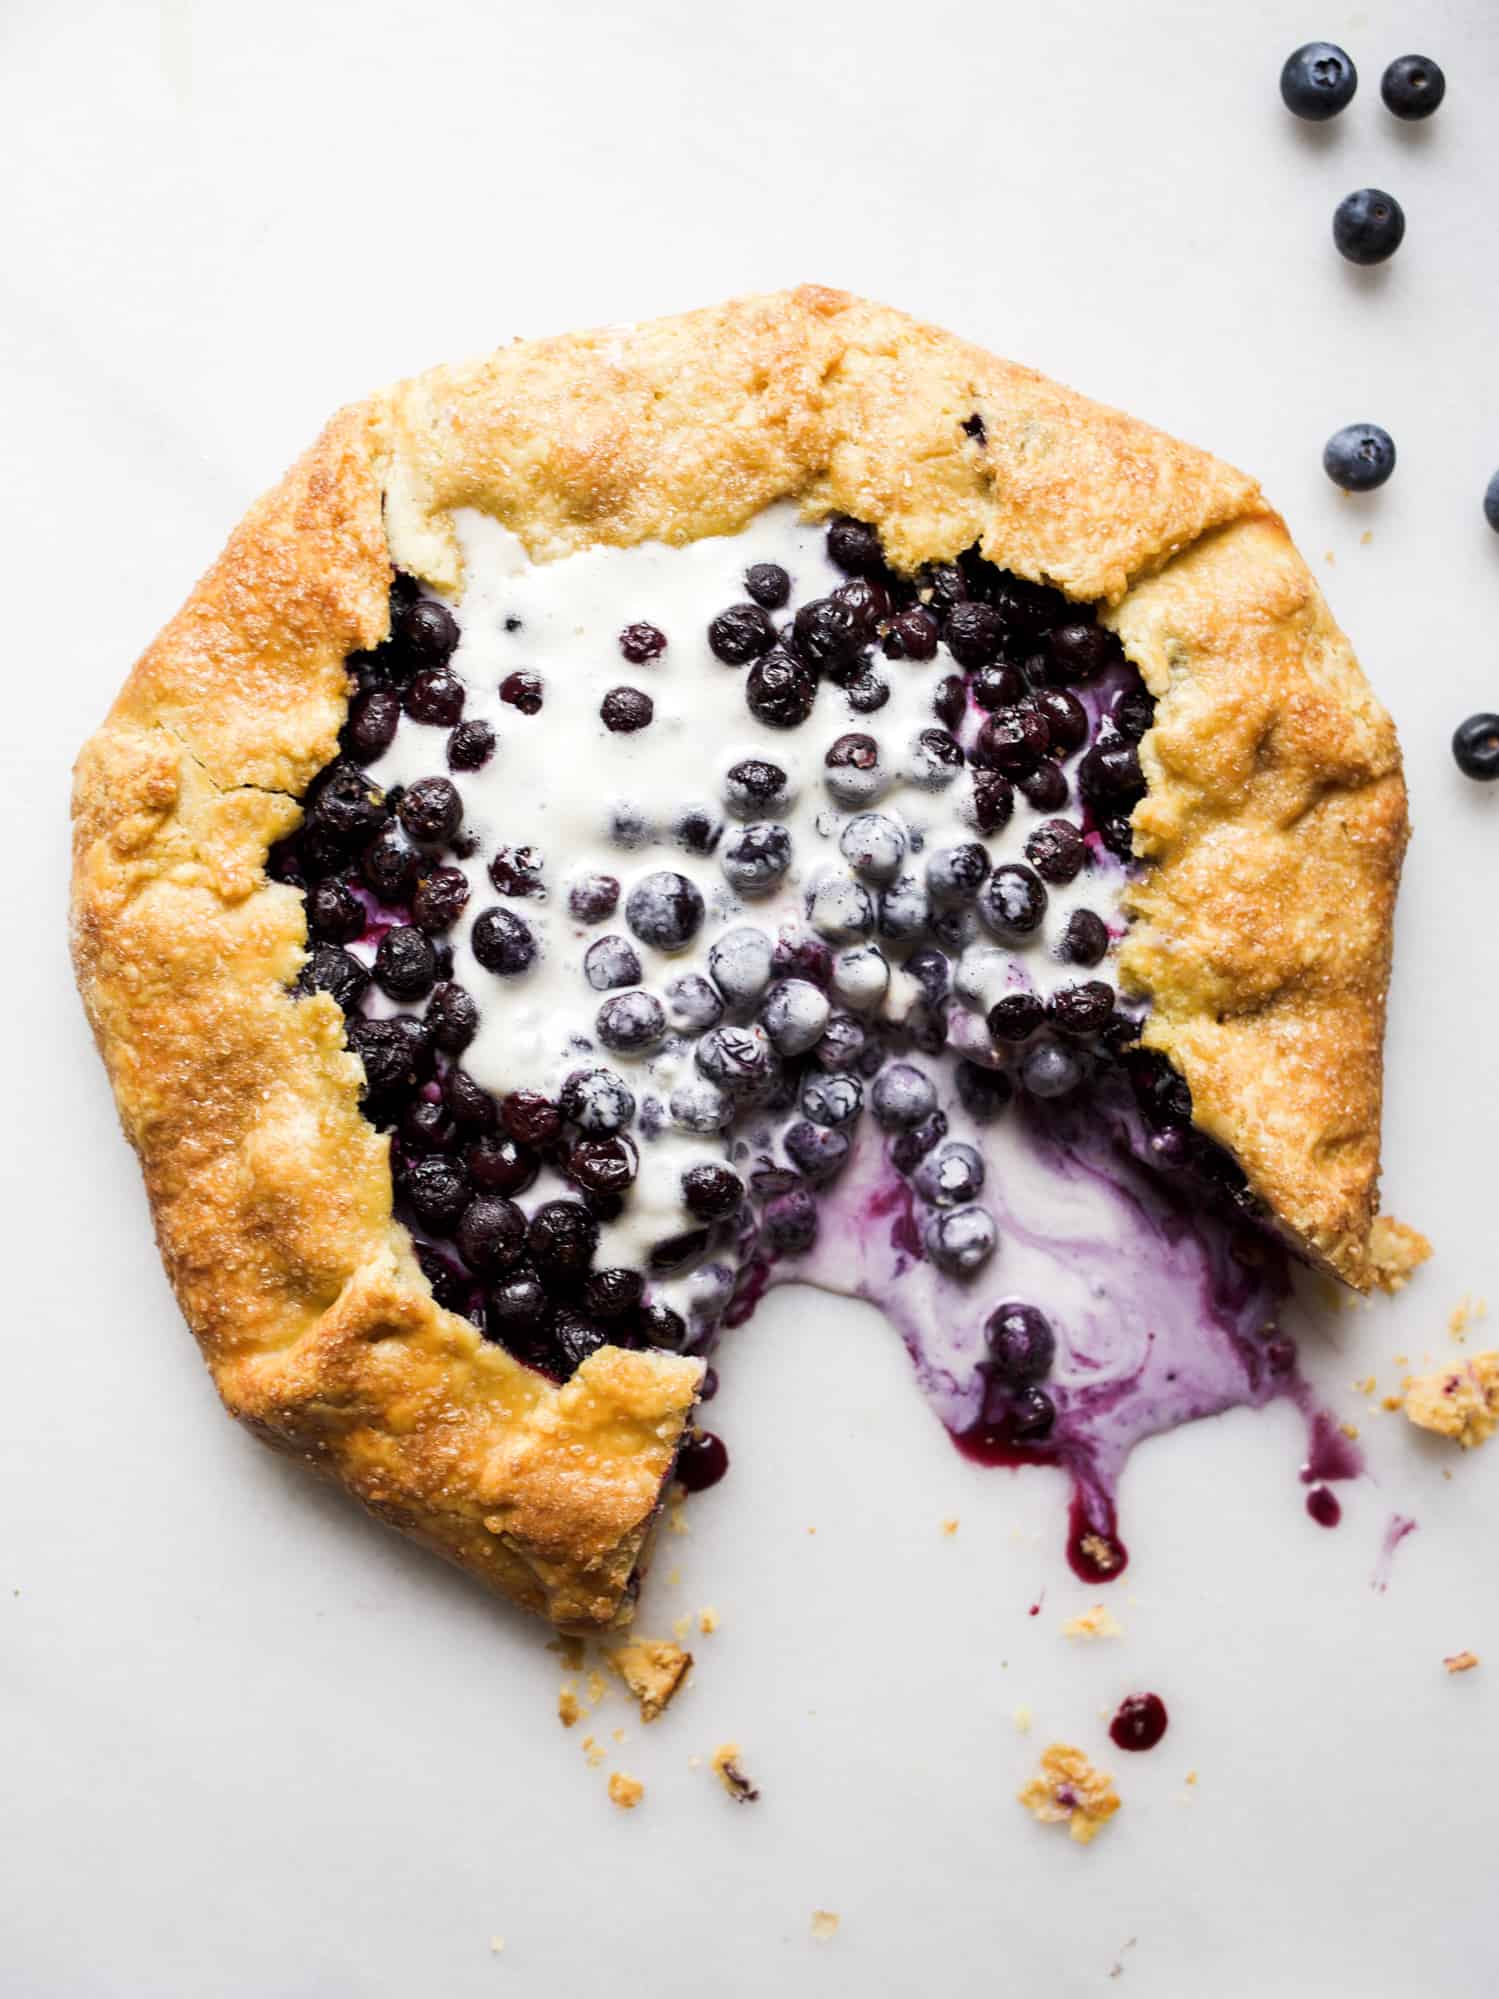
569 1651
1460 1662
617 1735
1460 1402
950 1525
1367 1386
1103 1554
674 1579
569 1708
1366 537
707 1620
676 1511
1395 1250
1466 1312
594 1750
681 1625
1070 1791
824 1924
596 1687
1329 558
733 1779
626 1792
1099 1622
1350 1431
496 1944
1023 1718
653 1669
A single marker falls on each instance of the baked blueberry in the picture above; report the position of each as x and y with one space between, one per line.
405 964
427 631
530 1117
831 1100
452 1017
1078 653
431 810
780 691
845 1044
956 874
739 963
868 604
629 1023
1033 1416
1013 900
498 1164
502 942
1012 741
332 970
518 1305
711 1193
950 700
1085 938
665 910
839 908
491 1233
854 547
562 1237
1081 1009
768 584
594 898
983 1092
346 804
524 691
866 693
611 962
1475 745
374 717
790 1223
994 799
609 1294
1015 1016
334 912
974 633
817 1152
1110 774
902 1096
623 710
641 642
1317 81
794 1014
740 634
1022 1346
997 686
1045 787
435 696
936 758
597 1101
951 1176
470 746
391 1061
1057 850
1133 713
603 1165
1412 87
425 1125
1359 457
960 1241
437 1188
827 636
1047 1069
1368 226
1065 716
912 634
469 1103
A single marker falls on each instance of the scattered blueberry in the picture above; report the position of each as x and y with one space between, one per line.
1014 1016
405 964
852 769
913 634
1081 1009
1049 1070
866 693
1359 457
1021 1343
780 691
739 963
960 1241
1046 787
839 908
1013 901
437 1188
665 910
562 1237
956 874
790 1223
436 696
640 643
935 759
738 1059
1368 226
994 799
604 1165
1317 81
711 1192
597 1101
904 909
950 1177
831 1100
374 716
1412 87
491 1233
902 1096
861 977
1476 747
827 636
524 691
1012 741
594 898
854 547
740 634
623 710
974 633
452 1017
1057 850
1133 713
334 912
983 1092
629 1023
692 1004
768 584
470 746
755 785
431 810
1085 939
817 1151
332 970
794 1015
756 859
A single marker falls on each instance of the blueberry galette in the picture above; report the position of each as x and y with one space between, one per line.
773 794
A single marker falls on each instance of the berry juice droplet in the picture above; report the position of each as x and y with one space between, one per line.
1323 1506
1140 1722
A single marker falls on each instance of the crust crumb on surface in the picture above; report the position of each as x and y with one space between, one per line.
1460 1662
1460 1402
626 1792
594 1750
1468 1311
653 1669
569 1650
1103 1554
1099 1622
731 1776
1070 1791
1023 1719
569 1707
950 1525
825 1924
707 1620
496 1944
1395 1252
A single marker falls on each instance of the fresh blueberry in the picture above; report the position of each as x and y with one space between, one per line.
904 909
935 759
1014 1016
852 769
844 1045
500 1165
1046 786
594 899
1412 87
470 746
790 1223
867 603
597 1101
956 874
334 912
1013 901
902 1096
756 858
642 642
562 1237
605 1166
839 908
374 716
452 1017
1317 81
951 1176
1085 939
950 700
831 1100
816 1152
960 1241
611 962
861 977
994 799
755 785
436 696
1476 747
739 964
740 634
794 1015
692 1005
780 691
623 710
873 845
1359 457
711 1193
768 584
629 1023
665 910
1081 1009
1013 741
1065 716
913 634
738 1059
1368 226
530 1117
1049 1070
502 942
524 691
699 1105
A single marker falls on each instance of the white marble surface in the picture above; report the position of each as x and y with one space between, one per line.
250 1745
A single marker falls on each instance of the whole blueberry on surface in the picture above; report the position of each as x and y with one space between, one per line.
1475 744
1359 457
1412 87
1368 226
1317 81
1021 1343
1491 503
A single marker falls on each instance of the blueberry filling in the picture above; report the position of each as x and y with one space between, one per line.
624 1059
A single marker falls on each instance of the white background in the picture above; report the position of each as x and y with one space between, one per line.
253 1747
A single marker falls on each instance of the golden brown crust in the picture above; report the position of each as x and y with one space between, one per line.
1275 822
